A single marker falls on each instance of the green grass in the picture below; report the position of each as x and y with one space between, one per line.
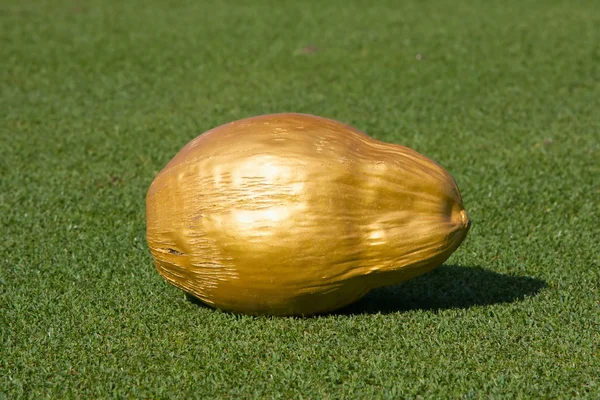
97 96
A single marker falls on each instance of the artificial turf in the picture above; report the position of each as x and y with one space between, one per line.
97 96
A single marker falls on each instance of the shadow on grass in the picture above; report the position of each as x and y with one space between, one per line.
447 287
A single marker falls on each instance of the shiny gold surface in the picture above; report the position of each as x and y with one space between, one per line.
293 214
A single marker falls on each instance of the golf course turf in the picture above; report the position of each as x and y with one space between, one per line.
97 96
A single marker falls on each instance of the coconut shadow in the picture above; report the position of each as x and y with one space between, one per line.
447 287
